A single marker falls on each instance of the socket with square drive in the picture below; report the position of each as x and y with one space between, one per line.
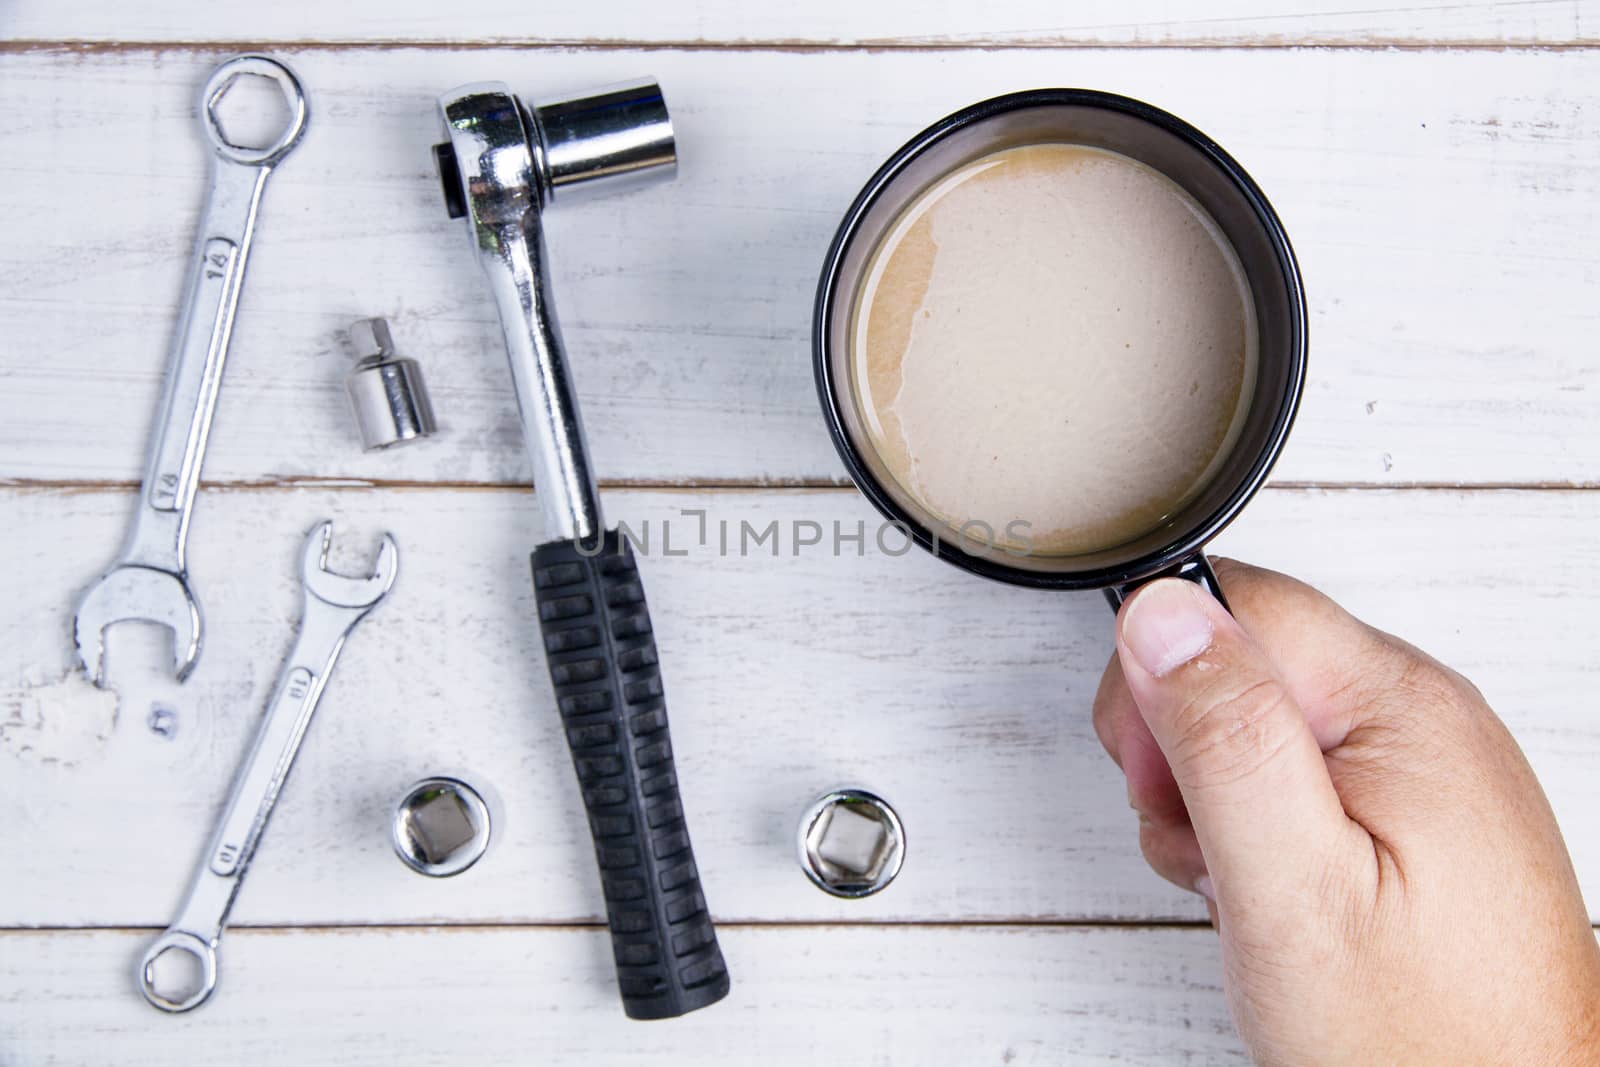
386 391
851 843
440 827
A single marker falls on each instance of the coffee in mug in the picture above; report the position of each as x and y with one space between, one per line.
1055 343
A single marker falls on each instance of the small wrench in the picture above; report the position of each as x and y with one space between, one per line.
333 606
150 580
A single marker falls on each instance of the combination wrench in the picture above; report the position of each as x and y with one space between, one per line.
149 581
333 604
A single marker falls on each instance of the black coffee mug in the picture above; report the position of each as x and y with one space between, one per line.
1199 166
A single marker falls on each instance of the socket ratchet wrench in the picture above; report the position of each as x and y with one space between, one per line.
149 580
500 167
333 604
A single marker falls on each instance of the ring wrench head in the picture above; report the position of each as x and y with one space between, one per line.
131 593
294 96
337 589
204 954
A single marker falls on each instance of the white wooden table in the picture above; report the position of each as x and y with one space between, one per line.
1437 165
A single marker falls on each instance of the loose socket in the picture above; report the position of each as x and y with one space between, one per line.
387 394
851 843
440 827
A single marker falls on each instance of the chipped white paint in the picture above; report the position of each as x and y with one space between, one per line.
62 721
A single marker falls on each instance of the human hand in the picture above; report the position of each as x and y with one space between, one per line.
1386 876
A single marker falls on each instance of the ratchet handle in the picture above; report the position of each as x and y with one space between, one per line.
602 657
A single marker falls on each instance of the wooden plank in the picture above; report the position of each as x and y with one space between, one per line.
965 702
1444 205
832 22
859 995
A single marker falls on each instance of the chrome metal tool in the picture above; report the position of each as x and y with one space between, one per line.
851 843
386 391
150 579
333 604
441 826
502 166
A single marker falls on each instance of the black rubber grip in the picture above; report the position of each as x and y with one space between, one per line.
602 655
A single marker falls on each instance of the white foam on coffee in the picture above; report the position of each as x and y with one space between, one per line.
1059 336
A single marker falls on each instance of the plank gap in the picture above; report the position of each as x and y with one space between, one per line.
735 924
81 47
555 927
38 485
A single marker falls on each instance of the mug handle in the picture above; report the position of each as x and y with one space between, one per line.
1196 569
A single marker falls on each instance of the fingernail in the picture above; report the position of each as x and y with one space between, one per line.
1203 886
1166 625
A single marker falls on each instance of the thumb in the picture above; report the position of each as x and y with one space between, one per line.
1251 773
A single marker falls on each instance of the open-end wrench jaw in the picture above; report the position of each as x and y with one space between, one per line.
337 589
133 593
